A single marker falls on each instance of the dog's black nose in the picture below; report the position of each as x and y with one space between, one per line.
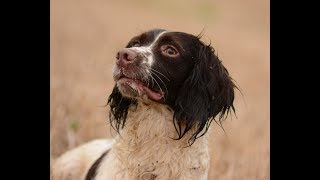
126 56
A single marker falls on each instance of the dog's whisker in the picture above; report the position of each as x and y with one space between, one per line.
157 83
161 81
160 74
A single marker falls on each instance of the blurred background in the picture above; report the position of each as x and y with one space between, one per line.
85 36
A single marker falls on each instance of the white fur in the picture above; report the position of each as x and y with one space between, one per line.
143 150
74 164
148 49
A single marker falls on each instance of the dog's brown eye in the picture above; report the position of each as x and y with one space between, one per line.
169 50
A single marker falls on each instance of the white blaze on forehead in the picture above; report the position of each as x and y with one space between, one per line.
147 50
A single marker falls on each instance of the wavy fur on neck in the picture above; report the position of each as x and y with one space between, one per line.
146 148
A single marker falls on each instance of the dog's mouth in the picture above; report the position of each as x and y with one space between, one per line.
136 88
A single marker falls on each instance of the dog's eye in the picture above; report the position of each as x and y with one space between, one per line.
169 50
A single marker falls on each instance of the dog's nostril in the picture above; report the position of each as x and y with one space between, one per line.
125 56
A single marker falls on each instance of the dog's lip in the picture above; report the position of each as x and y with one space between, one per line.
152 94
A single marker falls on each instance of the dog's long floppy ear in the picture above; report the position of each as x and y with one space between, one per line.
119 106
208 91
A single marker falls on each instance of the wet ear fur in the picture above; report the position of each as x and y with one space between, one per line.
208 91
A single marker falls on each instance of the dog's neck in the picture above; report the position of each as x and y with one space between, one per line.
147 143
149 122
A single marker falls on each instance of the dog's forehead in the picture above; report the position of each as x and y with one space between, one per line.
158 37
180 37
154 33
147 37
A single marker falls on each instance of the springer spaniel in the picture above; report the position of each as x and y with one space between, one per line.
169 88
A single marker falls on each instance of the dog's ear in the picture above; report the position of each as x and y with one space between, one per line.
208 91
119 106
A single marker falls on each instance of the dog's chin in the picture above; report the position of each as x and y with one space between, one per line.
136 89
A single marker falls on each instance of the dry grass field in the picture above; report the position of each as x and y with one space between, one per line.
85 36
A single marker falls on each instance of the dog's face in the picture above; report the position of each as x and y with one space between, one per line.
176 69
155 64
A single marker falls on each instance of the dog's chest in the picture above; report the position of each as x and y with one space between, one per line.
147 150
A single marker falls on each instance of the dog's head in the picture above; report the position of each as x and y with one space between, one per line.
176 69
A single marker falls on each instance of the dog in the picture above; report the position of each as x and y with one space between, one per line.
169 87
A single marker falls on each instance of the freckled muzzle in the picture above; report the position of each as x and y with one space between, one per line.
131 74
129 64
